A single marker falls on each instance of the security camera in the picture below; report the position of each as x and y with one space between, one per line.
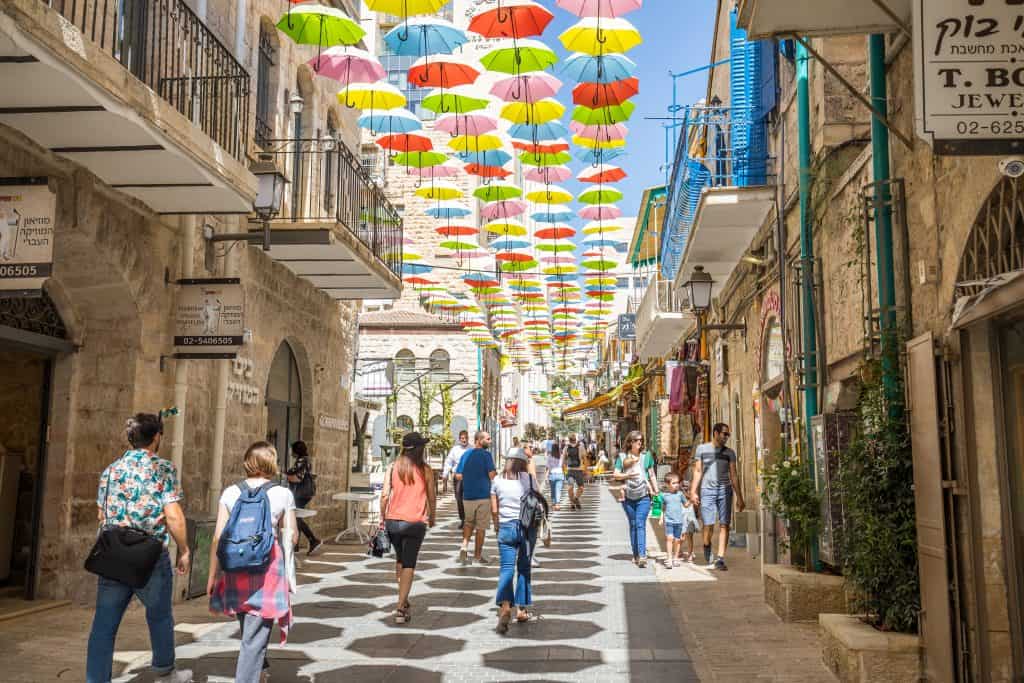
1012 167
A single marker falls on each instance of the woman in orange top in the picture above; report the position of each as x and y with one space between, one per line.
409 503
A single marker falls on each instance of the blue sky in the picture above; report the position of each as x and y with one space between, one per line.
677 36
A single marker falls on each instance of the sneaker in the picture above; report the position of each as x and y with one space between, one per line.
693 558
668 563
707 554
535 563
483 559
720 564
642 562
315 548
176 676
463 557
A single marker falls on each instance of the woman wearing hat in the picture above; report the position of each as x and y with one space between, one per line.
409 503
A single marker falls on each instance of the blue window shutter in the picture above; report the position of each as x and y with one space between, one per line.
768 78
747 131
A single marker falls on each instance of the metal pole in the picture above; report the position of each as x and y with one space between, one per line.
702 355
810 340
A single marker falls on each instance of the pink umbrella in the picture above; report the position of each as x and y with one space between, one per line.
466 124
348 65
529 87
548 174
446 170
615 131
558 259
600 8
600 212
503 209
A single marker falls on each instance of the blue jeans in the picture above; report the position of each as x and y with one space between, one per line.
112 598
556 480
515 547
636 513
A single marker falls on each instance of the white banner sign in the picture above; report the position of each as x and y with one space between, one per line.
27 215
210 317
969 75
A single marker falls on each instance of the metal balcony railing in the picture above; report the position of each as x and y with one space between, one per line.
328 184
167 47
719 147
660 298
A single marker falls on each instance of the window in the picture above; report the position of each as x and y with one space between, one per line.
440 361
405 423
622 282
405 360
266 60
369 159
436 425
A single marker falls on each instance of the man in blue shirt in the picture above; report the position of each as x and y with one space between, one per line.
475 471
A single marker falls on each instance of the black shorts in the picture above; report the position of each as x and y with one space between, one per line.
576 477
406 538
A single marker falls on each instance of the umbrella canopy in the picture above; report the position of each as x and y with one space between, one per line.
320 25
512 19
425 36
600 212
476 143
466 124
348 65
553 130
548 174
508 244
448 210
391 121
506 227
489 157
507 208
605 94
456 230
549 216
552 147
601 228
598 156
497 192
556 247
420 159
441 191
529 87
533 113
605 173
372 96
600 195
597 143
601 69
616 113
519 57
597 36
600 131
556 232
544 158
405 142
487 171
459 245
460 100
445 170
553 194
442 71
405 8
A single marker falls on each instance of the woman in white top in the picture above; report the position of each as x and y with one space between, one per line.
256 599
515 544
556 477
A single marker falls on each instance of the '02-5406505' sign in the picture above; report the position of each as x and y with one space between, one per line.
27 213
969 75
210 319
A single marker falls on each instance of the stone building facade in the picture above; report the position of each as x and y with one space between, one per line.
97 345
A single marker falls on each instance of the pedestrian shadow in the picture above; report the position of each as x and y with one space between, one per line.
406 646
433 619
566 564
448 600
322 567
573 545
621 557
364 592
286 666
567 607
553 629
463 584
570 589
378 673
553 553
542 659
433 557
543 574
474 571
333 609
390 566
306 632
387 576
306 579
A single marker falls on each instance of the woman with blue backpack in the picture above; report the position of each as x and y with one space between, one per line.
248 568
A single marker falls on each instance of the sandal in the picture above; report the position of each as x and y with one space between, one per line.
503 622
527 617
402 616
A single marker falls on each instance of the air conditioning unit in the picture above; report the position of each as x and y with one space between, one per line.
830 435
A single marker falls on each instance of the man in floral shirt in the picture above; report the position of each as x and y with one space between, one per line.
141 490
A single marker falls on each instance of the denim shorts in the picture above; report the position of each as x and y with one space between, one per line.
716 505
673 530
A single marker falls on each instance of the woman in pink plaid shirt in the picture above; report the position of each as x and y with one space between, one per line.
256 599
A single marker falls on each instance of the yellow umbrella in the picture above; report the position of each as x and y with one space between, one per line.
553 194
505 227
440 191
533 113
597 36
476 143
373 96
599 228
591 143
404 8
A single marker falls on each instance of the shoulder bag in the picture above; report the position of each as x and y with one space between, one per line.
380 542
122 553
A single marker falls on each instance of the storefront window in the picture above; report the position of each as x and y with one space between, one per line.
773 356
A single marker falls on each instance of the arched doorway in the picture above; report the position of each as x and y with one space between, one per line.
284 403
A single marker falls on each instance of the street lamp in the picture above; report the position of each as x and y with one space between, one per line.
699 290
297 103
270 184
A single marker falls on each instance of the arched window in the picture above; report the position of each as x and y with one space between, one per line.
436 424
284 403
405 423
405 360
996 243
440 361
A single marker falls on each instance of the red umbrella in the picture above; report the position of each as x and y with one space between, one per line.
541 148
554 233
457 230
596 95
512 19
442 71
487 171
406 142
515 256
416 280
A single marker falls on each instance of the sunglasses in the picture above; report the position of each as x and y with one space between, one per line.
726 435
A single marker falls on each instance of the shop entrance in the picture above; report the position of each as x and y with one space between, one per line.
1011 359
284 404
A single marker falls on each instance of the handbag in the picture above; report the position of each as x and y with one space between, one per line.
305 488
533 507
380 543
123 554
545 531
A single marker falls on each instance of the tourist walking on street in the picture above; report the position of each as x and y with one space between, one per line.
451 463
575 464
140 490
515 540
249 580
678 519
635 468
714 476
409 503
302 482
475 471
556 477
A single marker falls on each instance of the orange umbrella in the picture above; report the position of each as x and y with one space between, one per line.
542 147
596 95
487 171
405 142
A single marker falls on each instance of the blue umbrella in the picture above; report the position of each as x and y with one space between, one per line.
415 269
390 121
425 36
604 69
599 156
601 241
490 157
448 210
509 244
545 131
553 216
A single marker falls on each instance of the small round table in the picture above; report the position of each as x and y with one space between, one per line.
354 528
302 513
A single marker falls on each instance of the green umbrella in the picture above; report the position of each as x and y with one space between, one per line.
601 195
616 113
545 158
556 247
442 102
496 192
459 245
320 26
420 159
517 57
517 266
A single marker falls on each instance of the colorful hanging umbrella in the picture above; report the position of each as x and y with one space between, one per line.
552 147
466 124
348 65
490 157
600 212
487 171
553 130
459 245
442 71
508 208
505 227
448 210
601 228
457 230
445 170
598 36
406 8
420 159
529 87
600 195
557 247
476 143
544 159
439 191
600 131
553 216
552 194
508 244
549 174
425 36
533 113
391 121
460 100
373 96
555 232
617 113
598 156
604 173
605 94
603 69
519 57
597 144
512 19
321 26
496 192
405 142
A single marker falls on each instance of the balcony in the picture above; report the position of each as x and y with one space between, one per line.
140 92
661 320
336 230
763 19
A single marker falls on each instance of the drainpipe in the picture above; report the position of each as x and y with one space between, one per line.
810 340
479 389
187 224
883 219
241 19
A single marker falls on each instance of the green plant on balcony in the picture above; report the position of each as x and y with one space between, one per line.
789 492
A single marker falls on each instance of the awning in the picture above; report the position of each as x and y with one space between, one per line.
643 248
768 18
1001 293
605 399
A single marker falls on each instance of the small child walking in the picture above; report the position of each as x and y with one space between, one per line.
673 517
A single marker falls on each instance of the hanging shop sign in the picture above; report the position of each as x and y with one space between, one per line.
210 318
627 326
27 213
969 75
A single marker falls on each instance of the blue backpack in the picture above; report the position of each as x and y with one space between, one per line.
248 537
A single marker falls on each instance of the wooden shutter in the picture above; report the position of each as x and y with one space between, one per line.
936 629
